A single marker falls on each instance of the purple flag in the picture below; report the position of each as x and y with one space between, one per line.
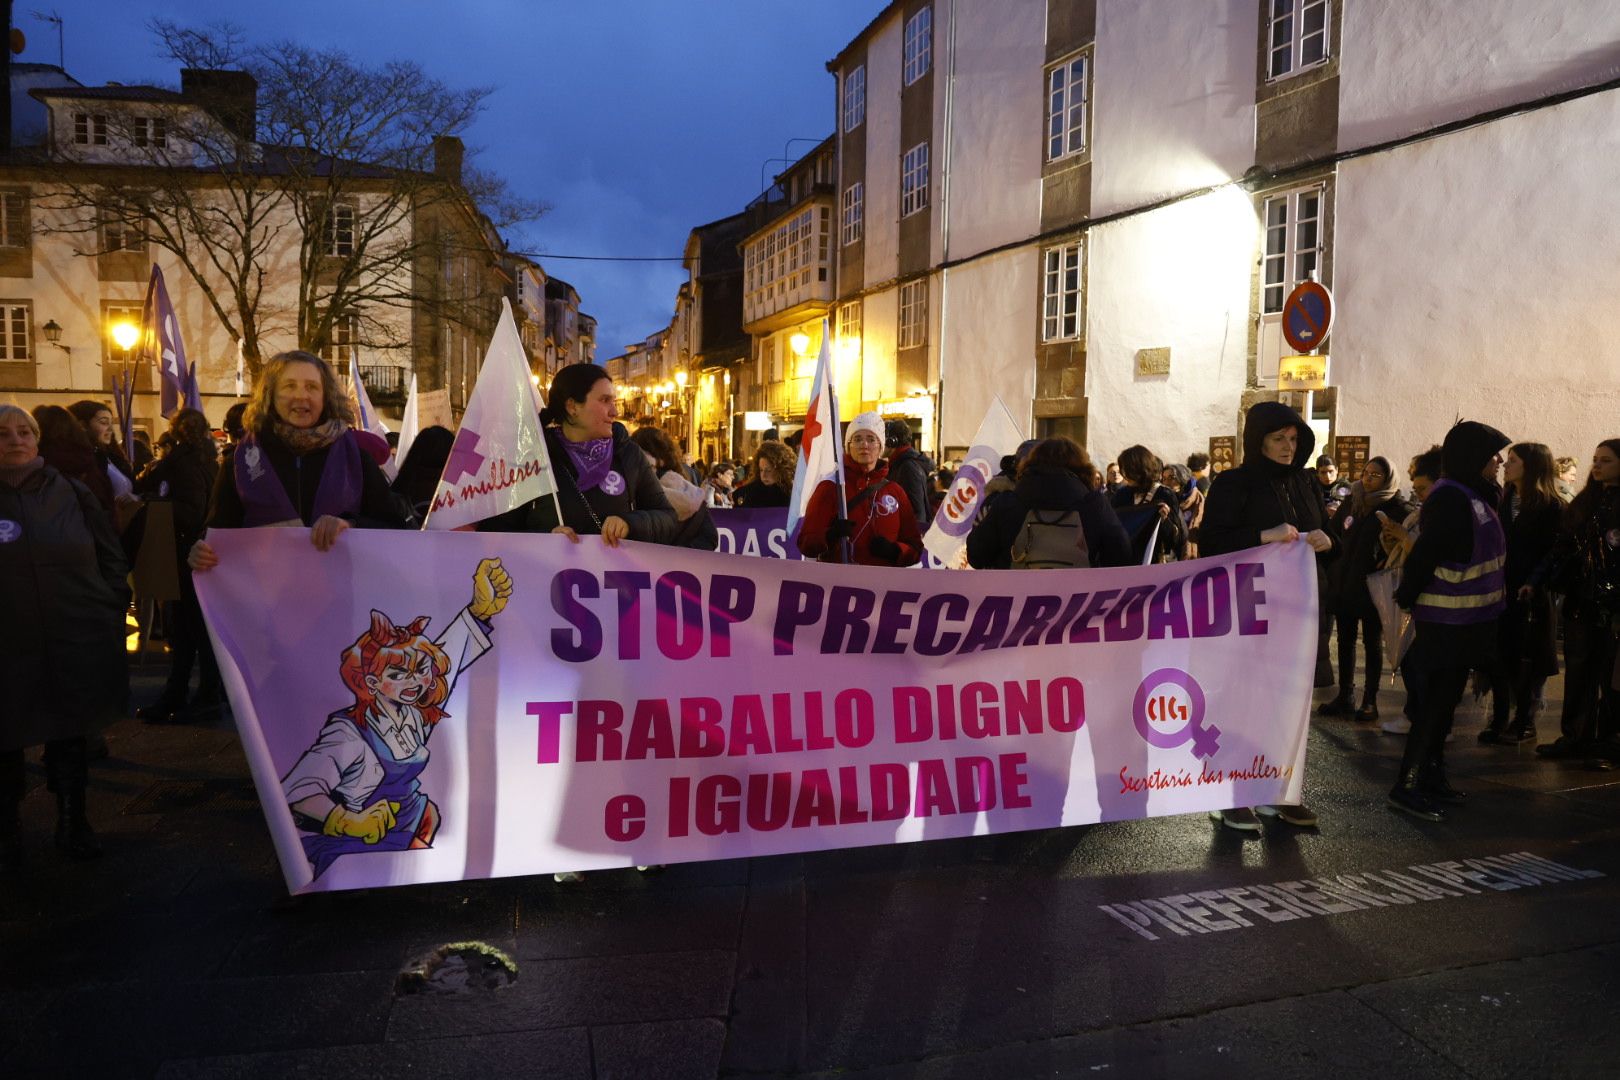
193 395
124 401
161 344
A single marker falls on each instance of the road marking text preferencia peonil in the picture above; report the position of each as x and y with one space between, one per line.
1186 914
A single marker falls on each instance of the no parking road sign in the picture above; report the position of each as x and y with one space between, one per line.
1307 316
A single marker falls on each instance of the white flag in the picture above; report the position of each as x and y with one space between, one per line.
821 454
997 437
410 423
498 461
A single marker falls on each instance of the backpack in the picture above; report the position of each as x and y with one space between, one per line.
1050 541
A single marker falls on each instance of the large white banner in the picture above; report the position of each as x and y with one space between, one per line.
436 706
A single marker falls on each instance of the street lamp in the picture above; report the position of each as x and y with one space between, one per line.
125 334
800 343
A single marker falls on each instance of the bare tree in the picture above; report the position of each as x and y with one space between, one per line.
356 169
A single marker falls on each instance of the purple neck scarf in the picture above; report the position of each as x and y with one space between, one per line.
592 461
266 502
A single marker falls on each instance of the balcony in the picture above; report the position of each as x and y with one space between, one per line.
385 384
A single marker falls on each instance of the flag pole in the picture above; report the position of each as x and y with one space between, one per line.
846 546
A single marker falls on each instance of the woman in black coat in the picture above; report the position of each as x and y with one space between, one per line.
64 594
1359 531
1270 499
604 485
185 477
1143 472
696 529
1526 641
1056 477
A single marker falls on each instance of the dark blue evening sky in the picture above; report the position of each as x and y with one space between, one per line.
634 120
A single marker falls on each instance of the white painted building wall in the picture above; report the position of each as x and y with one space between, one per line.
882 134
988 341
1173 98
1406 67
1175 278
1475 278
993 195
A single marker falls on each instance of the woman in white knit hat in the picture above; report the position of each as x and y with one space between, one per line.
881 527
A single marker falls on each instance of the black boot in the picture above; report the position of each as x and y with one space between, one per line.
74 836
1434 783
1408 799
1369 707
1342 705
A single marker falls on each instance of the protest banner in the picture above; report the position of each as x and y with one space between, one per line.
442 706
762 532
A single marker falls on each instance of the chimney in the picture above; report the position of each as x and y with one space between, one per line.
231 96
447 154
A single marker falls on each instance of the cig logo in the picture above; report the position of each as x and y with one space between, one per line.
1169 712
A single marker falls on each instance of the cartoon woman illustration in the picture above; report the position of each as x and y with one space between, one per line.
357 787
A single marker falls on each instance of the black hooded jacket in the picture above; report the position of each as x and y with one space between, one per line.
1446 525
1261 494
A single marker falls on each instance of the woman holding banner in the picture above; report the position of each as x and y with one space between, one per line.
604 484
63 589
1269 499
880 525
300 462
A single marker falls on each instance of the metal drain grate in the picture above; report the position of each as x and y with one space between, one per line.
169 796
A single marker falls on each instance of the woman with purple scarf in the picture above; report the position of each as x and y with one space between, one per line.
604 483
299 463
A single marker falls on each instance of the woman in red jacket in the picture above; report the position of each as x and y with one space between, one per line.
880 525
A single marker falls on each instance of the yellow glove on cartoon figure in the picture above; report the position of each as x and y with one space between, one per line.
370 824
492 587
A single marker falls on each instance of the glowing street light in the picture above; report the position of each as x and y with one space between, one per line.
126 334
799 343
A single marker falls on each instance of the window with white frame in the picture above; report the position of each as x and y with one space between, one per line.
14 219
855 98
89 129
121 232
914 180
1068 95
854 211
913 314
337 232
1294 243
849 323
1060 293
343 346
919 44
1296 36
16 330
150 131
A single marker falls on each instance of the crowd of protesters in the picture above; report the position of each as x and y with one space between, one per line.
1498 552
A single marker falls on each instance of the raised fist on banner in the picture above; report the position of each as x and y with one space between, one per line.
492 587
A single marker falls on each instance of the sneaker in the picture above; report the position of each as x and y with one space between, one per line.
1293 813
1238 817
1396 725
568 877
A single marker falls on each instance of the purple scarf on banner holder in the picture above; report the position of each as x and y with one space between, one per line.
265 500
592 461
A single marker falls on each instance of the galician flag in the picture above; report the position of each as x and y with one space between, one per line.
997 437
498 461
161 345
821 454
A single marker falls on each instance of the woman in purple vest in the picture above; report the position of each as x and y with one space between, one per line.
299 463
1455 584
